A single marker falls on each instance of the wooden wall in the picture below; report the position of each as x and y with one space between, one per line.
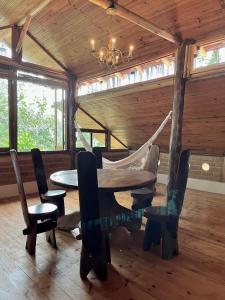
53 162
134 117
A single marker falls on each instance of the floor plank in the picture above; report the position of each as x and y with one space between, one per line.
197 273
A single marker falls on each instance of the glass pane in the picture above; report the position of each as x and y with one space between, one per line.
4 114
210 55
98 140
148 71
5 43
38 113
87 136
60 119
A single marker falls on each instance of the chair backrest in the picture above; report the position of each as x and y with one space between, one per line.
19 181
175 196
152 161
88 198
39 171
98 155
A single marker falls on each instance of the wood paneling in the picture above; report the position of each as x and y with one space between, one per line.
197 273
52 162
66 27
134 117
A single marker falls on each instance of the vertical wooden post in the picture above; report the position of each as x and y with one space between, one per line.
12 90
71 108
177 118
108 140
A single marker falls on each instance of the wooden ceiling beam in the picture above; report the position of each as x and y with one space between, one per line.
6 27
132 17
35 11
48 52
23 33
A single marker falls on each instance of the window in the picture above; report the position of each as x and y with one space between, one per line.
41 116
210 54
5 42
148 71
4 114
95 138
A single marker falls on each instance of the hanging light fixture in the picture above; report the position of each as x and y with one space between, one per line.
110 55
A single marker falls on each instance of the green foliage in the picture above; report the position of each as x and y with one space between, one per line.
4 116
35 121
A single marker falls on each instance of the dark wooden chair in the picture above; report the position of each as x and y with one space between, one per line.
142 198
98 156
47 196
162 223
38 218
95 251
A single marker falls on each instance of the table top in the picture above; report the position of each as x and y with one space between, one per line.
110 180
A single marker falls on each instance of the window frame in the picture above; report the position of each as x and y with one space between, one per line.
92 131
13 77
211 69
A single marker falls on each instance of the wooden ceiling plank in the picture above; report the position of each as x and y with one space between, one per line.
138 20
23 33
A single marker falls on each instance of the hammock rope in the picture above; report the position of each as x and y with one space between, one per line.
135 160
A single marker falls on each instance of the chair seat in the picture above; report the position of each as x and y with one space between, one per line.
158 213
43 211
53 194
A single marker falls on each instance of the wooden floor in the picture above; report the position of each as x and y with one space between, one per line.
197 273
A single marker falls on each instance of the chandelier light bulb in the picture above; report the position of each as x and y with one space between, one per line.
92 45
131 50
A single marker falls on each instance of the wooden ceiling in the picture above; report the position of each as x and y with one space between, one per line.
65 27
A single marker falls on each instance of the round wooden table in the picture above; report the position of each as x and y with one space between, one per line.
109 181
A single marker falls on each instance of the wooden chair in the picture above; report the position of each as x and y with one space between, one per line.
142 198
98 156
162 223
95 251
38 218
47 196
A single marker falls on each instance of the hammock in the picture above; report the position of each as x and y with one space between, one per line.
137 159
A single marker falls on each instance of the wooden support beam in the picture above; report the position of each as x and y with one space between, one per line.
15 38
48 52
6 27
35 10
132 17
71 109
177 117
100 124
23 33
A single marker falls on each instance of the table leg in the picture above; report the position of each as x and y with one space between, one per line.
113 214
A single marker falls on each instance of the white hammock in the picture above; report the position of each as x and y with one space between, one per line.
136 160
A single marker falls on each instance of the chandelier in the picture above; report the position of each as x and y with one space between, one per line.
110 55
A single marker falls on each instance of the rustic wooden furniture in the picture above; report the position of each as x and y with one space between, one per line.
162 223
95 252
38 218
142 198
98 156
50 196
110 181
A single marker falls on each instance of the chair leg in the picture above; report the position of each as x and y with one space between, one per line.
51 239
108 251
31 240
152 234
169 241
85 262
